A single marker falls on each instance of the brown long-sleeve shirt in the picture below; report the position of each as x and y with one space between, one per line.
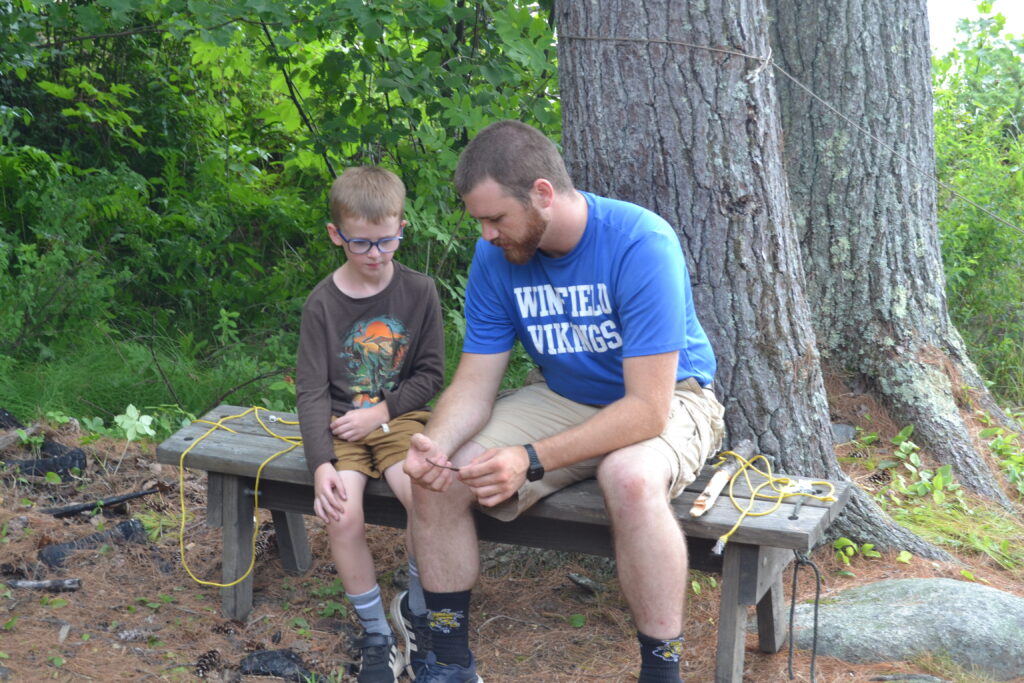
356 352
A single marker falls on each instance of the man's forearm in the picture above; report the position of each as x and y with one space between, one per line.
465 406
457 418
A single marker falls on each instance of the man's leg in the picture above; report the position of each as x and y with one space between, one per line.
448 556
650 553
650 550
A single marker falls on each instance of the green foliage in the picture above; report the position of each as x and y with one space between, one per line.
922 481
163 175
134 424
846 549
1007 447
979 121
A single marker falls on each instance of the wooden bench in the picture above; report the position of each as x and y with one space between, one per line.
572 520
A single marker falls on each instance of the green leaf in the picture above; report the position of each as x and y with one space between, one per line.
904 557
577 620
903 435
52 478
57 90
695 585
967 574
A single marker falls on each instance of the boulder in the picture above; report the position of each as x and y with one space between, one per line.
978 627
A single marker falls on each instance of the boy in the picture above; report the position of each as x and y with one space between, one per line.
371 354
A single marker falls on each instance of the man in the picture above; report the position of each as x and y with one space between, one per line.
597 290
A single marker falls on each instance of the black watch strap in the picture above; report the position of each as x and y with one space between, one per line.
536 471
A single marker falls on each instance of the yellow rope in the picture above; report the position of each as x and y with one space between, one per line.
782 486
293 443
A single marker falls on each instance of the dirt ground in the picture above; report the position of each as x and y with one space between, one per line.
138 616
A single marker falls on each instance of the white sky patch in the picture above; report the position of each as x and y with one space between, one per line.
943 16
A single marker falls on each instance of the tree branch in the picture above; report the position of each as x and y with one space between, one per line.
220 399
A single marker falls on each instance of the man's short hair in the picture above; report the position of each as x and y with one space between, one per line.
368 192
514 155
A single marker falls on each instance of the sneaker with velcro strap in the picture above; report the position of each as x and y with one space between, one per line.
379 659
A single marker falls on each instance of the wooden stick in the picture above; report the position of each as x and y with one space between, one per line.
52 585
105 502
720 478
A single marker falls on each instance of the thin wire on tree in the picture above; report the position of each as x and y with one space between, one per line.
768 60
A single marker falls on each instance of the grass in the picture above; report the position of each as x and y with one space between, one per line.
975 527
99 380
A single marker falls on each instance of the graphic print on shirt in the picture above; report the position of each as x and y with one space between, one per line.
371 356
573 319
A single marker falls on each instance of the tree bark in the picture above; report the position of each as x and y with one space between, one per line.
863 200
669 105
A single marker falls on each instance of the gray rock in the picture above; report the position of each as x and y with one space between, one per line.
843 433
979 628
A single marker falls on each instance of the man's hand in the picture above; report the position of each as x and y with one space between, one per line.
329 493
427 466
357 424
496 474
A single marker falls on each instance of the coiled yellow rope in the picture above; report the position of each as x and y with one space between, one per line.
293 443
783 488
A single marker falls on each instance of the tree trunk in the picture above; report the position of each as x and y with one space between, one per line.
864 205
692 133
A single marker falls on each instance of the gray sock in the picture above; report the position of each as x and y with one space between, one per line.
417 604
370 610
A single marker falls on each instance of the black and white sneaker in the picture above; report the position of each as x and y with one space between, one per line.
379 659
415 632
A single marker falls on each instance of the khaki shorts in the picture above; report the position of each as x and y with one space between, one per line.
379 451
694 431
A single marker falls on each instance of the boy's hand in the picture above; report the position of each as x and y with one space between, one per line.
427 466
496 474
356 425
329 493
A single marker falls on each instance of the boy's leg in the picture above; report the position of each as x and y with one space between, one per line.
380 661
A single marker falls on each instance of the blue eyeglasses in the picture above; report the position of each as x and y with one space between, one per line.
358 245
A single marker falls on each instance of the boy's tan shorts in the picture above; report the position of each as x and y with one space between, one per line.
694 432
379 451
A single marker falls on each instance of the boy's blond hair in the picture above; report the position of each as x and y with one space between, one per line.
368 192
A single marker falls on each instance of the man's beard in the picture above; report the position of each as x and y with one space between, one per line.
522 250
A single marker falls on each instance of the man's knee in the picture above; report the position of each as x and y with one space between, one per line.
629 479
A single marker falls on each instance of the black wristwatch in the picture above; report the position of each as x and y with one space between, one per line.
536 471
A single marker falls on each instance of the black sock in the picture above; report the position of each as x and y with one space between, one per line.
449 626
659 659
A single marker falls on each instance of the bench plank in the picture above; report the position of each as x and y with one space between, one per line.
242 452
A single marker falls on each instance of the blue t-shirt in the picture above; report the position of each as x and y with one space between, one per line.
623 291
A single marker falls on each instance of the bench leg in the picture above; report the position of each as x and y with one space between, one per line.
771 623
292 542
237 516
214 494
738 564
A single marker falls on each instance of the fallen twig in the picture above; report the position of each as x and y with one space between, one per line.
69 510
50 585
